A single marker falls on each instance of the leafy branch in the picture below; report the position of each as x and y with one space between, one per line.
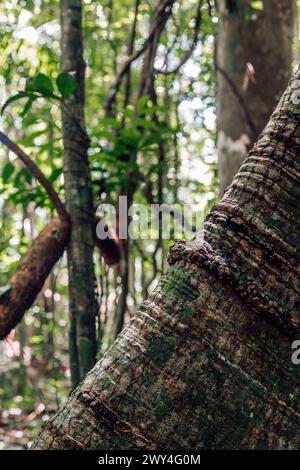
41 86
36 172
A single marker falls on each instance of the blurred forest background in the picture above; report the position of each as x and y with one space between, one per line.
175 93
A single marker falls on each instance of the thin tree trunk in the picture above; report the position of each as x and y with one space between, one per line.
129 53
122 302
161 15
48 319
263 39
79 200
206 361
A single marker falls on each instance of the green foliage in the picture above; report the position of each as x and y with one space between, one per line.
40 83
257 5
16 97
41 86
65 84
7 172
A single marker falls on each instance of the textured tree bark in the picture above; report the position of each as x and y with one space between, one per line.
263 38
206 361
31 274
79 199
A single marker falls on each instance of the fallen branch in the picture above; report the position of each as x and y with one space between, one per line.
19 294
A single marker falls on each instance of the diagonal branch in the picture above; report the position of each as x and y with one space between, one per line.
130 52
36 172
241 100
166 5
190 52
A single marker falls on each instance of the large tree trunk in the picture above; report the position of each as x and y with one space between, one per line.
262 38
79 199
206 361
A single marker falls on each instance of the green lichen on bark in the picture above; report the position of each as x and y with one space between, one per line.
163 405
195 391
142 309
178 283
187 311
107 378
216 374
161 349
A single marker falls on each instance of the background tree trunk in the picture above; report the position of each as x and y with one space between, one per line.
264 39
206 361
79 199
161 14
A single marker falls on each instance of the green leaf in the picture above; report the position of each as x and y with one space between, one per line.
111 122
30 84
24 175
133 166
144 123
7 172
142 104
152 109
130 134
65 84
257 5
105 134
35 339
150 140
55 174
28 140
27 175
42 84
28 105
17 96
